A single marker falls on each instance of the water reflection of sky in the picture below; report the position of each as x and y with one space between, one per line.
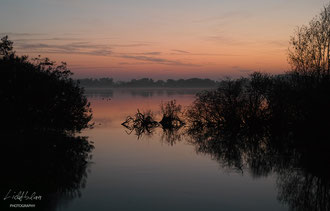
146 174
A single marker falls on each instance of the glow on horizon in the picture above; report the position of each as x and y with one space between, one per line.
127 39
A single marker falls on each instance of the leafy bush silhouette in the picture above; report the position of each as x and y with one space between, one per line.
40 95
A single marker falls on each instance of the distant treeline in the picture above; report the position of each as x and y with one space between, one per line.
147 82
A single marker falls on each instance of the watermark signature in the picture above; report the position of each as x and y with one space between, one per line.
22 196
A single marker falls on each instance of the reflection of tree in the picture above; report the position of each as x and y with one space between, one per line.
171 135
303 190
303 170
232 150
52 165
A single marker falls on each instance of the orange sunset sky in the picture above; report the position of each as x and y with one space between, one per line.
127 39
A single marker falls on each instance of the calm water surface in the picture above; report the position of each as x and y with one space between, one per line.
153 173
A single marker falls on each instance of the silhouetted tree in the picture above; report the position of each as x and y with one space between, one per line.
310 46
40 95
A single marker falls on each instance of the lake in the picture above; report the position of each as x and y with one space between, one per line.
156 171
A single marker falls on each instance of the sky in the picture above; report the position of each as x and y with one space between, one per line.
158 39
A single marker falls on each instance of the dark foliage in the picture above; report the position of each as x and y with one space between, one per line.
309 51
39 95
283 100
